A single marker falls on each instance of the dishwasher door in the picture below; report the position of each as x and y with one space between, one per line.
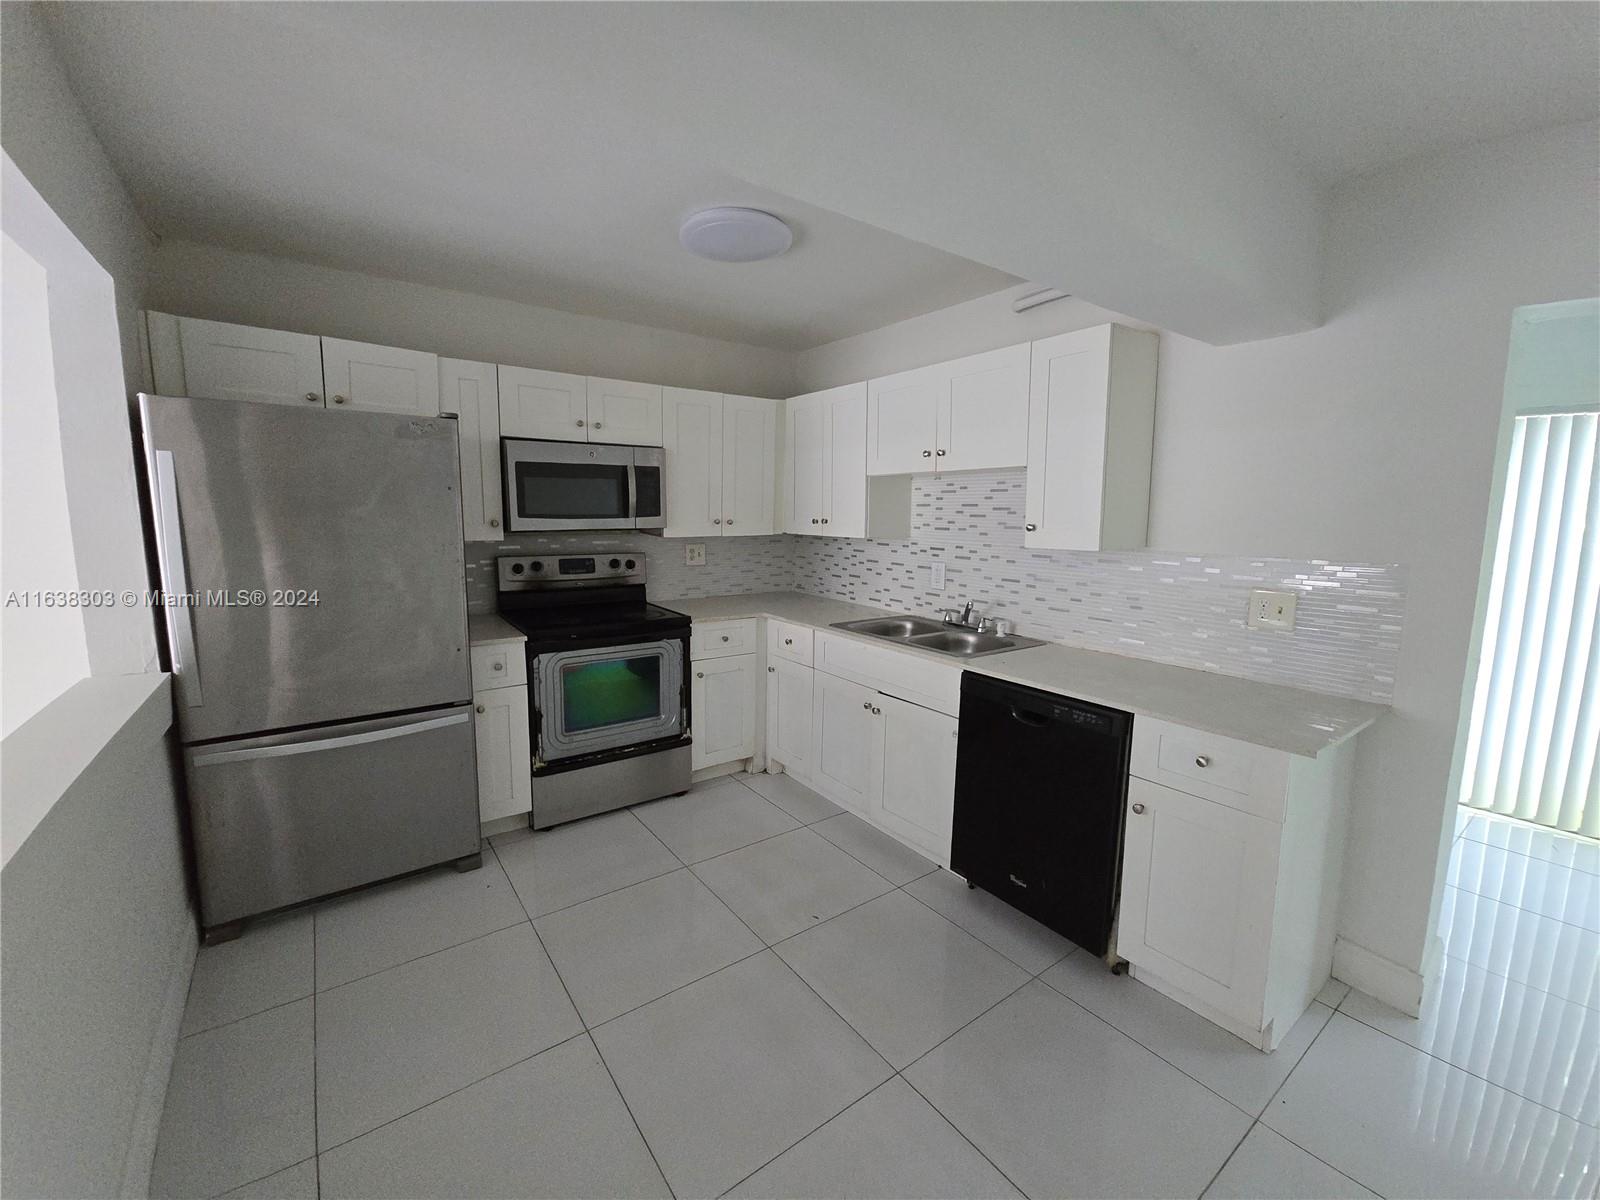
1041 785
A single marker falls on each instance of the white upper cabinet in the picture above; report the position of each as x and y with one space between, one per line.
965 415
380 378
215 361
622 412
692 427
983 418
1091 420
805 451
543 404
749 466
470 390
825 486
845 462
903 413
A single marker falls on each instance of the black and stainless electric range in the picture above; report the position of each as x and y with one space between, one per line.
607 682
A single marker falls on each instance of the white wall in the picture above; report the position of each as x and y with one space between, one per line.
192 280
1372 437
43 650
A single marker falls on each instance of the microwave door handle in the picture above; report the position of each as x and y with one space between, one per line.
175 576
633 495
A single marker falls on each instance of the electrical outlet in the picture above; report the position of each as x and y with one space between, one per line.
694 554
1270 610
936 575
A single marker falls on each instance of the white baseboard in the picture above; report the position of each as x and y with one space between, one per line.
1383 979
146 1126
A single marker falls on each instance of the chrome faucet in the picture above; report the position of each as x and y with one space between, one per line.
967 619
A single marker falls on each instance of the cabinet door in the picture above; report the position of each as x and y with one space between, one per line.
543 404
749 465
916 800
505 784
1198 884
723 696
983 412
903 413
845 462
1067 439
626 413
806 449
469 390
380 378
789 716
846 737
692 427
240 362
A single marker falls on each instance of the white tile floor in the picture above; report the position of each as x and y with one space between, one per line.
745 992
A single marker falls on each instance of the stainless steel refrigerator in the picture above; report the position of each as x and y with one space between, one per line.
317 626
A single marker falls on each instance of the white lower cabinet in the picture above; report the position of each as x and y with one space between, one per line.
789 701
846 741
500 720
916 774
1198 881
722 695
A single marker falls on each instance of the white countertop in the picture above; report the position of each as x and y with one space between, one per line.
486 629
1264 714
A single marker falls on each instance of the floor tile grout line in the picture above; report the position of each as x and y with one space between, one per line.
268 1175
1020 966
977 1149
477 937
235 1020
1537 1103
743 778
453 1092
1286 1137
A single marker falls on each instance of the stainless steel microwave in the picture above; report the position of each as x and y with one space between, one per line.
575 485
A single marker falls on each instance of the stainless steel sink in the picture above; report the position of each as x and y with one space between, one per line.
926 634
894 628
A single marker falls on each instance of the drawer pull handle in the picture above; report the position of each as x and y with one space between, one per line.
724 637
499 666
1202 760
1138 808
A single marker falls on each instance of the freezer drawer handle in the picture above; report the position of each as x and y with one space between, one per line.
333 743
180 615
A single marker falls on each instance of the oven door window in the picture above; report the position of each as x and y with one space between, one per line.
607 698
610 692
571 491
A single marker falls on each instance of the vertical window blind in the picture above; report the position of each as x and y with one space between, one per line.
1535 729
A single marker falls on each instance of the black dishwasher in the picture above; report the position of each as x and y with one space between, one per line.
1041 781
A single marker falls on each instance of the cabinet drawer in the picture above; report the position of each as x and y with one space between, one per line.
792 642
718 639
503 664
909 676
1249 778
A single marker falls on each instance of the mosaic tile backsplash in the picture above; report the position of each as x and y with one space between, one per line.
1183 609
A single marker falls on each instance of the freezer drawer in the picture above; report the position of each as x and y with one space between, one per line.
288 817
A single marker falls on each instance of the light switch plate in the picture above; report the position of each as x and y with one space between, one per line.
936 575
694 554
1270 610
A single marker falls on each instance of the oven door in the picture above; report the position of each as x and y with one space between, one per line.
607 698
567 485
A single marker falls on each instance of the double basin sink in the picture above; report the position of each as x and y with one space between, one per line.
924 633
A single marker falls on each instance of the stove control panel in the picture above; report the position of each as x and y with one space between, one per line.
530 572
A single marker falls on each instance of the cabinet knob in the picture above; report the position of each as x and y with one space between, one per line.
597 424
580 422
867 705
1138 808
730 520
1030 527
814 520
499 666
772 670
480 708
699 674
716 520
824 520
941 453
1202 760
313 398
876 711
927 454
724 637
338 399
788 641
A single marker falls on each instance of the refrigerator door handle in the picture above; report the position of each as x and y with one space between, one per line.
289 749
177 602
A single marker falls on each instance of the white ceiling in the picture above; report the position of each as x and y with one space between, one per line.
1346 89
1158 159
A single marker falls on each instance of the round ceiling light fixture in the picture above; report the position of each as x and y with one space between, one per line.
735 235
